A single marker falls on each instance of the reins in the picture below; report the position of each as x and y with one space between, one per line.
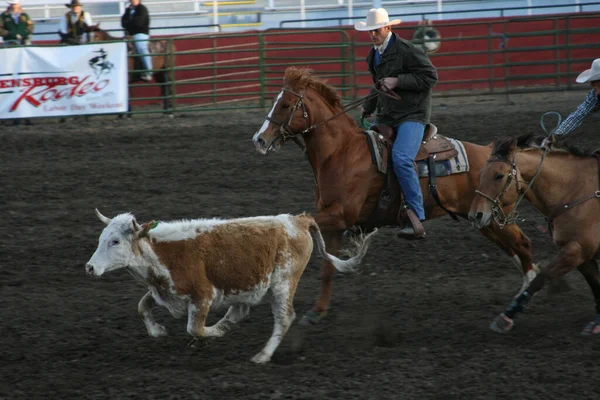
498 214
383 90
285 134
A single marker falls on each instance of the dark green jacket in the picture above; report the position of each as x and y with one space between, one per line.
9 30
416 79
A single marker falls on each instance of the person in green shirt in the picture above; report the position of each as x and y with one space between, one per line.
15 24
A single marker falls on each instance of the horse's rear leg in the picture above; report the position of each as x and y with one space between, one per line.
332 226
333 243
590 271
568 258
166 93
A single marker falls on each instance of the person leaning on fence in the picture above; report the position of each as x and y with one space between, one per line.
590 104
136 22
406 69
15 24
74 26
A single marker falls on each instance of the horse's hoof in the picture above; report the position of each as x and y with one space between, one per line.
591 329
312 318
502 324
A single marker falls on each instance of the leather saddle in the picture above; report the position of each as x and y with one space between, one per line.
435 145
391 209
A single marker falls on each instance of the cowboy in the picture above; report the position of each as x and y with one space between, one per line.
15 25
589 105
404 68
74 26
136 22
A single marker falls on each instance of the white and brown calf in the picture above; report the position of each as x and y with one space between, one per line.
195 265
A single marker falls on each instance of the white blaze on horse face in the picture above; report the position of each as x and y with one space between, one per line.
114 247
265 124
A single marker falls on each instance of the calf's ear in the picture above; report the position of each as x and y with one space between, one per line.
141 231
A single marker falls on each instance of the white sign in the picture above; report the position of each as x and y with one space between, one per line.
63 80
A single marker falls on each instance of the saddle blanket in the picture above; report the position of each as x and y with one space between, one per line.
375 141
454 165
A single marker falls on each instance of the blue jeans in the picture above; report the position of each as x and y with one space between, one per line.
141 47
408 140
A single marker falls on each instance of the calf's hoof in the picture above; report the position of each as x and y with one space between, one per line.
157 331
502 324
261 358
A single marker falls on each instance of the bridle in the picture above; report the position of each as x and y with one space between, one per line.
498 214
501 218
285 133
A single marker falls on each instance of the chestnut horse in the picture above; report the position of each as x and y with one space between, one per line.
348 184
563 185
162 62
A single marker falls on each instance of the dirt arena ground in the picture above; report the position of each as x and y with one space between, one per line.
414 325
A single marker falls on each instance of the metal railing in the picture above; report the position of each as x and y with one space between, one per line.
245 71
162 30
502 12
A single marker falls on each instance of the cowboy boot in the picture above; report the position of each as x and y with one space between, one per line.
414 229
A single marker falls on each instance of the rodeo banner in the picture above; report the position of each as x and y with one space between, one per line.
60 81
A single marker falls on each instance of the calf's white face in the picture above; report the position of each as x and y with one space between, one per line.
115 245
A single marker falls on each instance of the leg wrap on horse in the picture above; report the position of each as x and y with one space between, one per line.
518 304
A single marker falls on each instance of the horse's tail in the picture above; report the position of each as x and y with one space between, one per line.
170 49
169 62
361 244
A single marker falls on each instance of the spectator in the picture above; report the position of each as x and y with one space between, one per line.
15 24
74 25
136 22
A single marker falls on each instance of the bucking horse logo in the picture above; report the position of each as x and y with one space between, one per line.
100 64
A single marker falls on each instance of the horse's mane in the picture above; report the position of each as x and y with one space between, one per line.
301 78
504 146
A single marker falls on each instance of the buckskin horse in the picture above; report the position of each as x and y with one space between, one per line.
163 62
551 180
351 190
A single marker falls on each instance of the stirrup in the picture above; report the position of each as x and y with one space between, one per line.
415 228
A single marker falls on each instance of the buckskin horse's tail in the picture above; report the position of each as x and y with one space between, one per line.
360 242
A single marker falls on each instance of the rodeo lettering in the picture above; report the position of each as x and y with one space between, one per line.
48 81
37 95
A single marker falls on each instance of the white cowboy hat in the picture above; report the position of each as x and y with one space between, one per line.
592 74
376 18
14 1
